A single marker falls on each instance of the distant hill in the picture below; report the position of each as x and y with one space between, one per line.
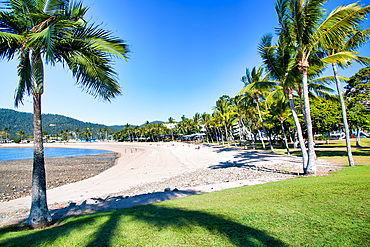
51 123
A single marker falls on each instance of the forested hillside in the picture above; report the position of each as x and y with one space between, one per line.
52 123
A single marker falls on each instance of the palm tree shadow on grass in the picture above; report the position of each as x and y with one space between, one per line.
335 153
158 217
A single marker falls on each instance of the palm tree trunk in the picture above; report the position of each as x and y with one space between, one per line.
241 133
232 136
286 141
311 164
302 107
358 137
299 131
344 115
258 130
263 128
250 133
227 136
222 136
39 214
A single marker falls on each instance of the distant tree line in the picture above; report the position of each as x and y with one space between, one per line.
12 122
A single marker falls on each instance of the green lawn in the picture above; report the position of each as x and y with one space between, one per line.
315 211
336 152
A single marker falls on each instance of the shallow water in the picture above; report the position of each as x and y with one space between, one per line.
27 153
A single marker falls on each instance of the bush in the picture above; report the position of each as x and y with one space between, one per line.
17 139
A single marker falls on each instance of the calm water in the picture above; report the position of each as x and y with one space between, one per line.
27 153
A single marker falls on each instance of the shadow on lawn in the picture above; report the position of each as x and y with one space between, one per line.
158 218
338 153
259 162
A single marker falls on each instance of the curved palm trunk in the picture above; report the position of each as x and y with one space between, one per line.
241 129
232 136
258 130
250 133
39 214
299 131
344 115
358 137
227 136
217 135
263 127
286 141
222 135
311 165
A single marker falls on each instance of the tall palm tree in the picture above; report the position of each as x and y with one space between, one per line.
21 134
250 80
312 32
196 120
106 129
206 121
38 31
279 107
6 129
171 121
343 52
77 131
281 65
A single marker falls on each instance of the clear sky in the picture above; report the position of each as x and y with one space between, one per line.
185 54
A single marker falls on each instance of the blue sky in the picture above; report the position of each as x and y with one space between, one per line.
185 54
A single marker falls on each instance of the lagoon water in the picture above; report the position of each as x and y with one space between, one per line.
7 154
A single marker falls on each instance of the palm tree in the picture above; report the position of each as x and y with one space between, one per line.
87 133
206 121
171 121
100 132
55 31
6 129
226 114
279 107
250 85
21 134
311 33
106 129
282 68
77 131
196 120
341 53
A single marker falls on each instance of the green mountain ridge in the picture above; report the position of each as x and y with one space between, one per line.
51 123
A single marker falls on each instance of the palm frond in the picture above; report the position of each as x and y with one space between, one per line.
339 23
358 39
94 74
340 57
24 73
326 80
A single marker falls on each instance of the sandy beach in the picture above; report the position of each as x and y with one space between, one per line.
151 172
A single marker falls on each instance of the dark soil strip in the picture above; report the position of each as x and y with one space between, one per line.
15 176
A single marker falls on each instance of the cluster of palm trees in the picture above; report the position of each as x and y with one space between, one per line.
307 42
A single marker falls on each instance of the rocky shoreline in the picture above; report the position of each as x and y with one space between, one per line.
15 176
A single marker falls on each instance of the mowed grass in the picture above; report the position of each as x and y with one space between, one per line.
311 211
336 152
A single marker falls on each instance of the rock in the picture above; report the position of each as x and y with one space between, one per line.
167 189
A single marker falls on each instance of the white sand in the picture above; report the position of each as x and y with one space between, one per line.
142 163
